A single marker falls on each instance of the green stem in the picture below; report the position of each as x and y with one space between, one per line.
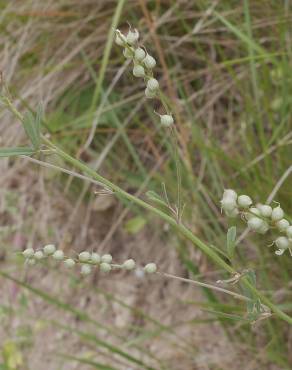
179 227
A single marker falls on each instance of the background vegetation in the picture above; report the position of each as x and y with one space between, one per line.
226 66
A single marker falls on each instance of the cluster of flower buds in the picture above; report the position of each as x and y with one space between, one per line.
143 67
260 217
86 260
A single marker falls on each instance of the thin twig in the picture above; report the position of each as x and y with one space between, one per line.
209 286
69 172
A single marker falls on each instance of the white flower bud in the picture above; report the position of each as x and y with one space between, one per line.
31 261
289 231
277 214
95 257
255 223
149 93
153 84
105 267
128 53
149 62
253 211
28 252
150 268
58 255
69 262
120 38
84 256
166 120
264 228
85 269
138 71
129 264
265 210
49 249
282 242
228 204
283 224
244 201
139 54
229 193
132 37
106 258
38 255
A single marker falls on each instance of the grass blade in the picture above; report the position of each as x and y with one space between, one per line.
13 152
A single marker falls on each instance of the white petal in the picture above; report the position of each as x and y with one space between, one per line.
279 252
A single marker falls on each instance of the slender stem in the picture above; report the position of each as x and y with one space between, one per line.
209 286
179 227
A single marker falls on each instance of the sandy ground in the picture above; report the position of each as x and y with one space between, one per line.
187 345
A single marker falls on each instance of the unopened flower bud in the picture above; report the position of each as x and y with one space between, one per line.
255 223
149 93
153 84
166 120
69 262
253 211
58 255
282 225
149 62
95 257
38 255
129 264
282 242
289 232
49 249
265 210
107 258
138 71
28 252
139 54
132 37
244 201
264 228
277 214
84 256
229 193
150 268
228 203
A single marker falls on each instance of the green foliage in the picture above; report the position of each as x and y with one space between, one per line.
14 152
32 126
231 239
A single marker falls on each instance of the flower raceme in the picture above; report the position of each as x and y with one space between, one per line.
143 68
260 218
87 260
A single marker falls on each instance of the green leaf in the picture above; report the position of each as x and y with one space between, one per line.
12 152
231 238
151 195
32 126
134 225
